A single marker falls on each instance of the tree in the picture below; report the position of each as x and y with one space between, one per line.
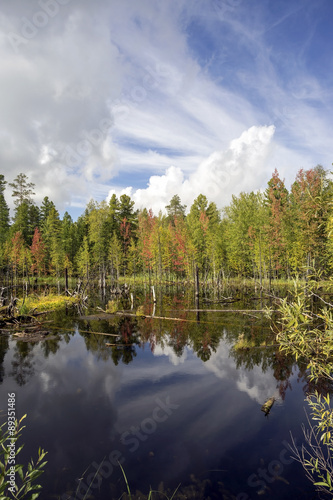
203 222
83 258
125 233
98 234
26 214
17 253
38 253
45 209
175 209
146 225
310 196
277 203
51 232
126 211
243 220
4 212
22 190
115 255
113 215
69 237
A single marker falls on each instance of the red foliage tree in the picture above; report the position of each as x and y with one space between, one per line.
38 252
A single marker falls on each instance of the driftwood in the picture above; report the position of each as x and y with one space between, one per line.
100 333
225 310
119 313
119 345
266 407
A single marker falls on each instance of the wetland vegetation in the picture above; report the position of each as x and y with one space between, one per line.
223 312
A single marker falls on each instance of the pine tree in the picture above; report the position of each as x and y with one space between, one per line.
51 233
45 209
26 215
4 212
175 209
22 190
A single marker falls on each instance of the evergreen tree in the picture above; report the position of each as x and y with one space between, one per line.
113 215
69 237
175 209
126 211
45 209
98 233
4 212
22 190
26 218
51 233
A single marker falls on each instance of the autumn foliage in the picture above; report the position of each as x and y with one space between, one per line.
275 233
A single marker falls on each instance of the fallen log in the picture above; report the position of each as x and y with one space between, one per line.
120 345
266 407
225 310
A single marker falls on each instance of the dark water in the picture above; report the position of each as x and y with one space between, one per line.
172 402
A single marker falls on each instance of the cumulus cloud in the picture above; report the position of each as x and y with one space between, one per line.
257 385
241 167
167 350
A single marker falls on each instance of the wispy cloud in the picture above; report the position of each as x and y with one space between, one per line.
149 96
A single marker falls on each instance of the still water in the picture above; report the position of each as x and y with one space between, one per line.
172 401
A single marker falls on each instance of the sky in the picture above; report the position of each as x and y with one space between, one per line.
154 98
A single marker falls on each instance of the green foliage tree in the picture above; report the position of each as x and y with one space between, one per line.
202 220
310 195
98 234
51 233
277 226
83 259
115 256
243 221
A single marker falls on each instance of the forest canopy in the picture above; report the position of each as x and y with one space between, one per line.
276 233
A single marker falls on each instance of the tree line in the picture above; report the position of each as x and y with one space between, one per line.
278 233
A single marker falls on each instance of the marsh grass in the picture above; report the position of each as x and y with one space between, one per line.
150 494
50 302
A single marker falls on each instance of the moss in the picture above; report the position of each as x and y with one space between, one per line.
47 303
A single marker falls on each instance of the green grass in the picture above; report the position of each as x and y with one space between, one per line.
47 303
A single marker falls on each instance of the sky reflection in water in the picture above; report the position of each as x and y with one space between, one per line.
168 418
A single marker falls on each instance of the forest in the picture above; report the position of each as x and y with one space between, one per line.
275 234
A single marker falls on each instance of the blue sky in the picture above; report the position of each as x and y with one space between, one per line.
160 97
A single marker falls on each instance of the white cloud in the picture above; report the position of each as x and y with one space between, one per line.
257 385
241 167
117 90
167 350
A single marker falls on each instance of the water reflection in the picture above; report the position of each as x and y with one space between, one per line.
96 386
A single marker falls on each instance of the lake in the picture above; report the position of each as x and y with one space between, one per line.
172 401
